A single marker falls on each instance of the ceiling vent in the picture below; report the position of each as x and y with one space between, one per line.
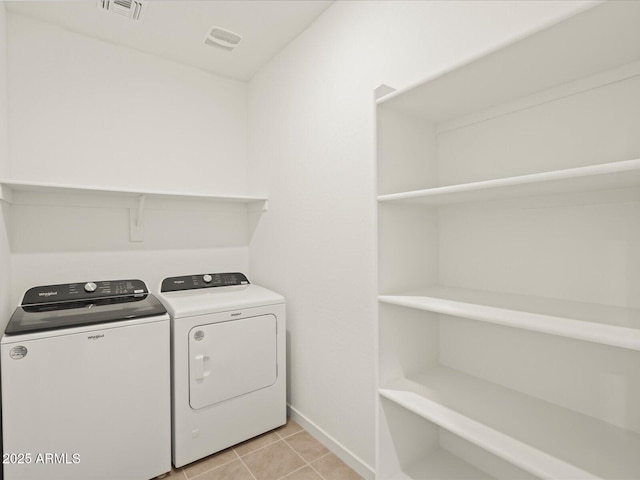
127 8
218 37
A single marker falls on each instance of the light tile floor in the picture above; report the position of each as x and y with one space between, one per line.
287 453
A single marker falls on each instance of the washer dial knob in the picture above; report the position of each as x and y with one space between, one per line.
207 278
90 287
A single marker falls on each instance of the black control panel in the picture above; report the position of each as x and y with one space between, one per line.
204 280
83 291
69 305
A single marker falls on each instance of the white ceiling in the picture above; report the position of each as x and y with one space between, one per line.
175 29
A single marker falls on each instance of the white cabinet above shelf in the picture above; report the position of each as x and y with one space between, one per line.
539 437
609 325
605 176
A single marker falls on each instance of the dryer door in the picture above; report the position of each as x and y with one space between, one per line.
229 359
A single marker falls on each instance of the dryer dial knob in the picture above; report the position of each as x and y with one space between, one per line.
90 287
207 278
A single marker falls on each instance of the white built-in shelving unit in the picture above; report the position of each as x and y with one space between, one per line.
509 261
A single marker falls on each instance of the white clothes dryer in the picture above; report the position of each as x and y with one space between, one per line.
228 340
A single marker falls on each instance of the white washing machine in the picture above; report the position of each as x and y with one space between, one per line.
86 384
228 340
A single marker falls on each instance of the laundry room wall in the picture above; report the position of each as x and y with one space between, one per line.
88 112
311 112
5 264
85 112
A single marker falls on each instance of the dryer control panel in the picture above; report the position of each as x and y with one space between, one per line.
203 280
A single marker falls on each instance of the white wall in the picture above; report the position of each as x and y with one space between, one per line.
151 266
5 268
86 112
311 142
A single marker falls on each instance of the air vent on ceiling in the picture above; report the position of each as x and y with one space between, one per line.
127 8
218 37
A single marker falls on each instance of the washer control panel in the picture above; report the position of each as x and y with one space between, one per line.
83 291
204 280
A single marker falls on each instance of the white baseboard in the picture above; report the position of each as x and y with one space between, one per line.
333 445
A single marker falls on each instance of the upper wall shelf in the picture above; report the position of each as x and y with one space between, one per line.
9 187
582 179
47 194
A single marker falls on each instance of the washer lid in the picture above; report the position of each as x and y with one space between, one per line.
189 303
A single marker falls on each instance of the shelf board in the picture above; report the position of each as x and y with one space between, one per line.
609 325
607 176
10 186
537 436
136 201
441 465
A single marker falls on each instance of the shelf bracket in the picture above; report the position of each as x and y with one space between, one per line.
136 221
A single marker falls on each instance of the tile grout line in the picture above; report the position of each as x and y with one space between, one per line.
222 465
257 449
184 475
244 464
319 458
195 477
279 438
294 451
315 470
307 463
238 456
187 477
247 467
291 434
293 471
